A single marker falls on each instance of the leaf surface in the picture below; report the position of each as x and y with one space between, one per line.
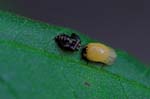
32 66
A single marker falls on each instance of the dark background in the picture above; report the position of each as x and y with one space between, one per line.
123 24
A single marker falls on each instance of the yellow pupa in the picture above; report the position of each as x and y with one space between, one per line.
98 52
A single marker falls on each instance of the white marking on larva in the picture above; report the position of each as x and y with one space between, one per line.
101 50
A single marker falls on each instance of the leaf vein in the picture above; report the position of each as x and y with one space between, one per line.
49 55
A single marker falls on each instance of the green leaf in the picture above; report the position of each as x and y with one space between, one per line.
33 67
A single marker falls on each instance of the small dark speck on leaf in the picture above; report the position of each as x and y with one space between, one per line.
87 84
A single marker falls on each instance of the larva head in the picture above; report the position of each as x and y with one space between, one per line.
69 43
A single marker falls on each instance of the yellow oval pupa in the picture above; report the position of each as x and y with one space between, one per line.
97 52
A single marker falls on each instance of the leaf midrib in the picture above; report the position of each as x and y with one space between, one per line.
65 59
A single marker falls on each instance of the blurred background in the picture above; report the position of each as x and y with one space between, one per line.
123 24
